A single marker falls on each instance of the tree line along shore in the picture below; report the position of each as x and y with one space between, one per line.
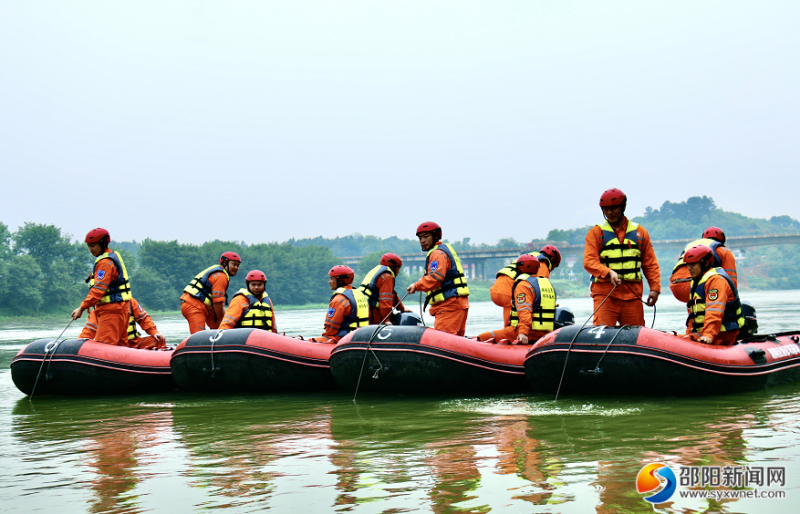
42 269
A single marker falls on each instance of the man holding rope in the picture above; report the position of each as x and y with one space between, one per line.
617 253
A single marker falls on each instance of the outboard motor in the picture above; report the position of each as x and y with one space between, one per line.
750 323
564 317
407 318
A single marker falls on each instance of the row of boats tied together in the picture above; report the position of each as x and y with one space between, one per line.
407 357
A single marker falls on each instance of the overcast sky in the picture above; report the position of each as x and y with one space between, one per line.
261 121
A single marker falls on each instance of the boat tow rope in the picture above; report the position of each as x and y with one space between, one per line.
50 348
653 324
213 339
564 369
369 349
421 309
597 369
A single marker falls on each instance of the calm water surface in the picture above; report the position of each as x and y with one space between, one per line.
324 453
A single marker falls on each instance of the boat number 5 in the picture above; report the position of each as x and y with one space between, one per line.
385 333
598 331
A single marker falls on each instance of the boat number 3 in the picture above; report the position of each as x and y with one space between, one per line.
598 331
384 333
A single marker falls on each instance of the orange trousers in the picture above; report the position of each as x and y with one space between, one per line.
626 312
450 316
198 316
501 295
112 323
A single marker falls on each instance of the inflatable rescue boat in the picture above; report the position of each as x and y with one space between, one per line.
251 360
414 359
83 366
635 360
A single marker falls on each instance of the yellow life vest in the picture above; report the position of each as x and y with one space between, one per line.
258 314
359 310
200 287
732 318
120 289
624 258
711 243
455 282
368 286
544 307
512 271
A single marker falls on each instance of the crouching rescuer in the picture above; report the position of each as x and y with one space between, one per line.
251 307
533 305
715 311
348 309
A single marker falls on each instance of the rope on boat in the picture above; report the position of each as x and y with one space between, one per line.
51 350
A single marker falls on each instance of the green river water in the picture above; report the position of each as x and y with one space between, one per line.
182 452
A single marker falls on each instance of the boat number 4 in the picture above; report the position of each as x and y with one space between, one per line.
598 331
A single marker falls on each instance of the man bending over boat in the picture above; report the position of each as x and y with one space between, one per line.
443 280
349 308
109 291
617 253
251 307
135 340
533 305
378 285
203 300
549 258
714 238
715 312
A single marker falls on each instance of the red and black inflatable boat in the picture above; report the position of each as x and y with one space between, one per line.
83 366
641 361
251 360
415 359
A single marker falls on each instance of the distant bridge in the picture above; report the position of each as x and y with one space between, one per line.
475 260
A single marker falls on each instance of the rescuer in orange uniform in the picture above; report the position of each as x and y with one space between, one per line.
532 305
109 292
714 238
203 300
349 308
549 258
378 285
135 340
617 253
443 280
715 311
251 307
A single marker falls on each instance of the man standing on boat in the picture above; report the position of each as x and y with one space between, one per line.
532 305
109 291
378 285
443 280
203 300
348 309
138 316
549 258
715 311
251 307
617 253
714 238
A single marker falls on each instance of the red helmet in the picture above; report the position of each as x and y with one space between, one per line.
613 197
552 254
528 264
343 274
392 260
256 275
432 227
715 233
98 235
697 253
229 256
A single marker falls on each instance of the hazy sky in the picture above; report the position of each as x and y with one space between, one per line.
261 121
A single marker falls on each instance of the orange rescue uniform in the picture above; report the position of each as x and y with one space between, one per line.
714 311
680 283
338 310
502 287
111 318
525 313
387 299
140 316
196 312
233 314
450 314
625 303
